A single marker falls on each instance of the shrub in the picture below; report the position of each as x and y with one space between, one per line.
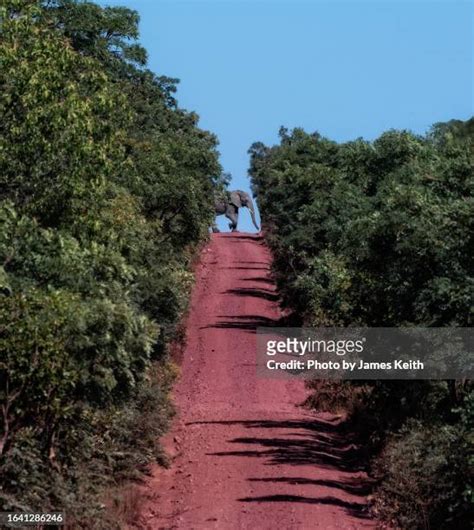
424 475
380 234
106 191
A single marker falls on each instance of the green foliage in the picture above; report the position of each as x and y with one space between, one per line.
425 474
57 147
381 234
106 191
376 234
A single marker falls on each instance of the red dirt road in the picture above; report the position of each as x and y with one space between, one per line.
245 455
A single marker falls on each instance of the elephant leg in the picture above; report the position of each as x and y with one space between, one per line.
232 213
214 228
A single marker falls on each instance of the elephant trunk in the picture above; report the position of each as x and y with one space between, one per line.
252 214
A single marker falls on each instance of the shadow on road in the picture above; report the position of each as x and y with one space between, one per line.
250 323
353 508
258 279
244 322
355 486
243 262
266 294
307 443
247 268
234 238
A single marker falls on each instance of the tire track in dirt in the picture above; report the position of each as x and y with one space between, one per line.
245 456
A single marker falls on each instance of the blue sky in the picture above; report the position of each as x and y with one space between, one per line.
344 68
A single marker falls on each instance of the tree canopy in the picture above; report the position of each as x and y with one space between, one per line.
380 234
106 191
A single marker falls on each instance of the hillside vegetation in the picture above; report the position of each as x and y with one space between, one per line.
381 234
106 191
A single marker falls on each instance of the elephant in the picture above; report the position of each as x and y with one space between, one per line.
235 199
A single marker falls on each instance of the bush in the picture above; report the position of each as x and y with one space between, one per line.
424 475
380 234
106 192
